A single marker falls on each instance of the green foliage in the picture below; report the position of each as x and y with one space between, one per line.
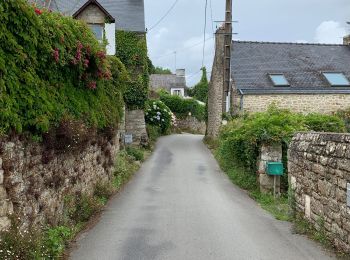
55 240
345 116
160 70
158 114
51 66
125 167
324 123
136 153
183 107
154 132
34 244
200 91
132 50
241 138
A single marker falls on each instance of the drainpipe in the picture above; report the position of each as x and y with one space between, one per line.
241 100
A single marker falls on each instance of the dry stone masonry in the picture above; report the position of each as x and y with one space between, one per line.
34 181
192 125
319 171
135 124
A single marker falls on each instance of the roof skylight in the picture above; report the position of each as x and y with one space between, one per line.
336 79
279 80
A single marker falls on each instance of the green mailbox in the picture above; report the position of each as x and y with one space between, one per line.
274 168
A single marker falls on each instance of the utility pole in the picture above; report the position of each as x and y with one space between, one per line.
227 54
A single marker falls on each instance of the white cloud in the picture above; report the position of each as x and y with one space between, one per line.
301 41
330 32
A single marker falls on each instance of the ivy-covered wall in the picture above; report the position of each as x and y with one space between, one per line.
132 51
52 67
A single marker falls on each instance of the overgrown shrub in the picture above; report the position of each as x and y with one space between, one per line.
158 114
183 107
154 132
241 138
345 116
324 123
51 66
200 90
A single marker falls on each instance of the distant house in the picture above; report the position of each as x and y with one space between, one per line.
300 77
175 84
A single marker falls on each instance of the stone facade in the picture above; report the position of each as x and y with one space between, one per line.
135 124
319 171
35 181
216 85
346 40
320 103
269 153
92 15
192 125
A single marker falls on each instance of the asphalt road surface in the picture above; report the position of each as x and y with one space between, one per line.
181 206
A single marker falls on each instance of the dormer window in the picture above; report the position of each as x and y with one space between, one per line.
336 79
279 80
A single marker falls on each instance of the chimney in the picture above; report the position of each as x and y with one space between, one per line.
180 72
346 40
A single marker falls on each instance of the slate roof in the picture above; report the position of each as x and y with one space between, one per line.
167 81
129 14
301 64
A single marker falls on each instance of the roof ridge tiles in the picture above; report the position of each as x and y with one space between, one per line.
289 43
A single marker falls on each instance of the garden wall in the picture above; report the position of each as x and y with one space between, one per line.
35 181
135 124
191 124
319 172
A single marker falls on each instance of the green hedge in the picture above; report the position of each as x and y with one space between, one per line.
241 138
182 107
51 66
132 51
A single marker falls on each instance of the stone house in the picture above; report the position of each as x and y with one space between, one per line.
175 84
301 77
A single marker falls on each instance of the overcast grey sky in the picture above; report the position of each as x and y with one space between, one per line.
322 21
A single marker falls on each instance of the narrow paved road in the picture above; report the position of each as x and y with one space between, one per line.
181 206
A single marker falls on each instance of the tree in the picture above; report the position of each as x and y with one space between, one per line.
200 91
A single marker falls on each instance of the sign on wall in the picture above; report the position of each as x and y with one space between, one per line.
128 139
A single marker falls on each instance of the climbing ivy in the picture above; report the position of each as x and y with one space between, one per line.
132 51
52 67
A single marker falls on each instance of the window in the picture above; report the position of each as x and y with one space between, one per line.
177 92
279 80
97 29
336 79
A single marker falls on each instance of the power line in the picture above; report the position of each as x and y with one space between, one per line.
164 16
211 16
205 28
183 49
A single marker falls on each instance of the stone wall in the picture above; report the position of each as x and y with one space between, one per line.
269 153
135 124
326 103
216 85
192 125
319 171
35 180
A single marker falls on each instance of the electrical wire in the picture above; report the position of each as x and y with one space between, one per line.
211 16
164 16
205 28
183 49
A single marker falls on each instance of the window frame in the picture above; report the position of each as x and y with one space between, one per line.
335 73
102 26
270 75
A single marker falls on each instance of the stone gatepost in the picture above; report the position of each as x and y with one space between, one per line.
269 153
135 124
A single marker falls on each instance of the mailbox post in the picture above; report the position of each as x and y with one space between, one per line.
274 169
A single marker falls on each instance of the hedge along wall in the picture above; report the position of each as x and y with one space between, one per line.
57 83
51 68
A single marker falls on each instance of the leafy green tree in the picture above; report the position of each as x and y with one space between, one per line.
200 91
